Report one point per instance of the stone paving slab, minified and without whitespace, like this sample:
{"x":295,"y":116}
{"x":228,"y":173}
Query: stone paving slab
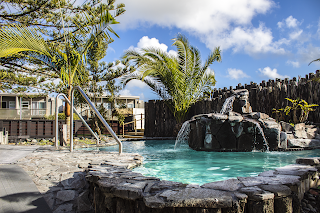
{"x":18,"y":193}
{"x":60,"y":175}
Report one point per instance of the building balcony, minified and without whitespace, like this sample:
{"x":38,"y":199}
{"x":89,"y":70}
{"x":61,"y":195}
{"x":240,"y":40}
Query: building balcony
{"x":25,"y":113}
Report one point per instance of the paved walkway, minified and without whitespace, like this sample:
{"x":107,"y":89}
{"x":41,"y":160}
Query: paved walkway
{"x":18,"y":193}
{"x":11,"y":153}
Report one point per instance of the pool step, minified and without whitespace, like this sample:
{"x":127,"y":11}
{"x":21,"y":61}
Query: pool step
{"x":133,"y":136}
{"x":135,"y":133}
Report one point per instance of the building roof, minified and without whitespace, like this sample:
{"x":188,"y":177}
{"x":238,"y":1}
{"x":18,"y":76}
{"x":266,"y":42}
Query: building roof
{"x":121,"y":96}
{"x":19,"y":94}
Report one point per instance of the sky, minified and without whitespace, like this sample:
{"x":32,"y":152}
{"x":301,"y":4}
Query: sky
{"x":259,"y":39}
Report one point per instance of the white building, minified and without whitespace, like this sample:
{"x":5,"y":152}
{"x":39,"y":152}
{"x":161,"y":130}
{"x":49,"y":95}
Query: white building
{"x":130,"y":106}
{"x":26,"y":106}
{"x":38,"y":106}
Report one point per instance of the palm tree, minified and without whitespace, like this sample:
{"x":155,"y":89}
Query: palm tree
{"x":181,"y":79}
{"x":65,"y":60}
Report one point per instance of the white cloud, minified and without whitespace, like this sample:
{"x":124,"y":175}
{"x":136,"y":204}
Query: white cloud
{"x":216,"y":24}
{"x":282,"y":41}
{"x":295,"y":64}
{"x":236,"y":74}
{"x":309,"y":53}
{"x":271,"y":73}
{"x":125,"y":92}
{"x":293,"y":31}
{"x":136,"y":83}
{"x":142,"y":97}
{"x":146,"y":42}
{"x":291,"y":22}
{"x":210,"y":71}
{"x":251,"y":40}
{"x":295,"y":35}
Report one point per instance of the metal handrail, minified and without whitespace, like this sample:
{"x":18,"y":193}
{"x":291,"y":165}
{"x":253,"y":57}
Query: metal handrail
{"x":81,"y":118}
{"x":97,"y":113}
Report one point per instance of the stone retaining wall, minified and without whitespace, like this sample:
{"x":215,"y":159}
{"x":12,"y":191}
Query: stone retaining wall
{"x":117,"y":189}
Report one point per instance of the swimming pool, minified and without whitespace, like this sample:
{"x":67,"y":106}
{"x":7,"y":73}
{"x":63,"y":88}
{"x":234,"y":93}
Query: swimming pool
{"x":197,"y":167}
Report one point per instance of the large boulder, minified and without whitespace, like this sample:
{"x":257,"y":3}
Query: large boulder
{"x":234,"y":132}
{"x":235,"y":128}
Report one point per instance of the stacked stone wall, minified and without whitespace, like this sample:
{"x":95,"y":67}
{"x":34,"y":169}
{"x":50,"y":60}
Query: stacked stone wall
{"x":263,"y":97}
{"x":119,"y":190}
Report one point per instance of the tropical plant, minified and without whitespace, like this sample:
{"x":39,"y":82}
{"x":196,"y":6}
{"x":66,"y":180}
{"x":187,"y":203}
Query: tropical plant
{"x":65,"y":60}
{"x":297,"y":105}
{"x":305,"y":109}
{"x":181,"y":79}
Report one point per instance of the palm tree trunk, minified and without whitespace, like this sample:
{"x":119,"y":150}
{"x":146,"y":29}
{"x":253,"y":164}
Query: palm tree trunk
{"x":67,"y":113}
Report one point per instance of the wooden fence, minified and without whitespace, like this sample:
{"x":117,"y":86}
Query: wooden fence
{"x":22,"y":129}
{"x":263,"y":97}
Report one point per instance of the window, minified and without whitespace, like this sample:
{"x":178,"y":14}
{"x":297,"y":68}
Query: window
{"x":107,"y":105}
{"x":12,"y":104}
{"x":34,"y":105}
{"x":25,"y":104}
{"x":130,"y":106}
{"x":38,"y":108}
{"x":42,"y":105}
{"x":4,"y":104}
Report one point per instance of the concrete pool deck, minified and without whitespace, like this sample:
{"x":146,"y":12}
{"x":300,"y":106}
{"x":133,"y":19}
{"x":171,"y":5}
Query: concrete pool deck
{"x":18,"y":193}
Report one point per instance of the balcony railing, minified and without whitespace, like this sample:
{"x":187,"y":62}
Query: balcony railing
{"x":26,"y":113}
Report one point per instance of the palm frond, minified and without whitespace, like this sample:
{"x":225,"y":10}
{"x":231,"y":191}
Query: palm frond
{"x":16,"y":38}
{"x":314,"y":61}
{"x":182,"y":79}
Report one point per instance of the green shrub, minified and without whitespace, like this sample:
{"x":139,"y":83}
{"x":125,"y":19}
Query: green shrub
{"x":61,"y":116}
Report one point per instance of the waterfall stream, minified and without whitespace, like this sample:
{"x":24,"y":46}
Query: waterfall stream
{"x":227,"y":105}
{"x":183,"y":134}
{"x":260,"y":130}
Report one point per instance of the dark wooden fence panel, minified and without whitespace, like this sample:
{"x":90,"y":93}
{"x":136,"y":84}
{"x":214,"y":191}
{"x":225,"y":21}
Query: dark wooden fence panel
{"x":81,"y":130}
{"x":40,"y":128}
{"x":21,"y":129}
{"x":263,"y":97}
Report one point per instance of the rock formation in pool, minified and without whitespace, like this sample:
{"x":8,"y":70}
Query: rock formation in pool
{"x":235,"y":128}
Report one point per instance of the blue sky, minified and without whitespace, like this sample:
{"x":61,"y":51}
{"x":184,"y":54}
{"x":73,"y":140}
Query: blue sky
{"x":260,"y":39}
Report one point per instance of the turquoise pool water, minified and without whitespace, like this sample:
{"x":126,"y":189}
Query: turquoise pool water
{"x":188,"y":166}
